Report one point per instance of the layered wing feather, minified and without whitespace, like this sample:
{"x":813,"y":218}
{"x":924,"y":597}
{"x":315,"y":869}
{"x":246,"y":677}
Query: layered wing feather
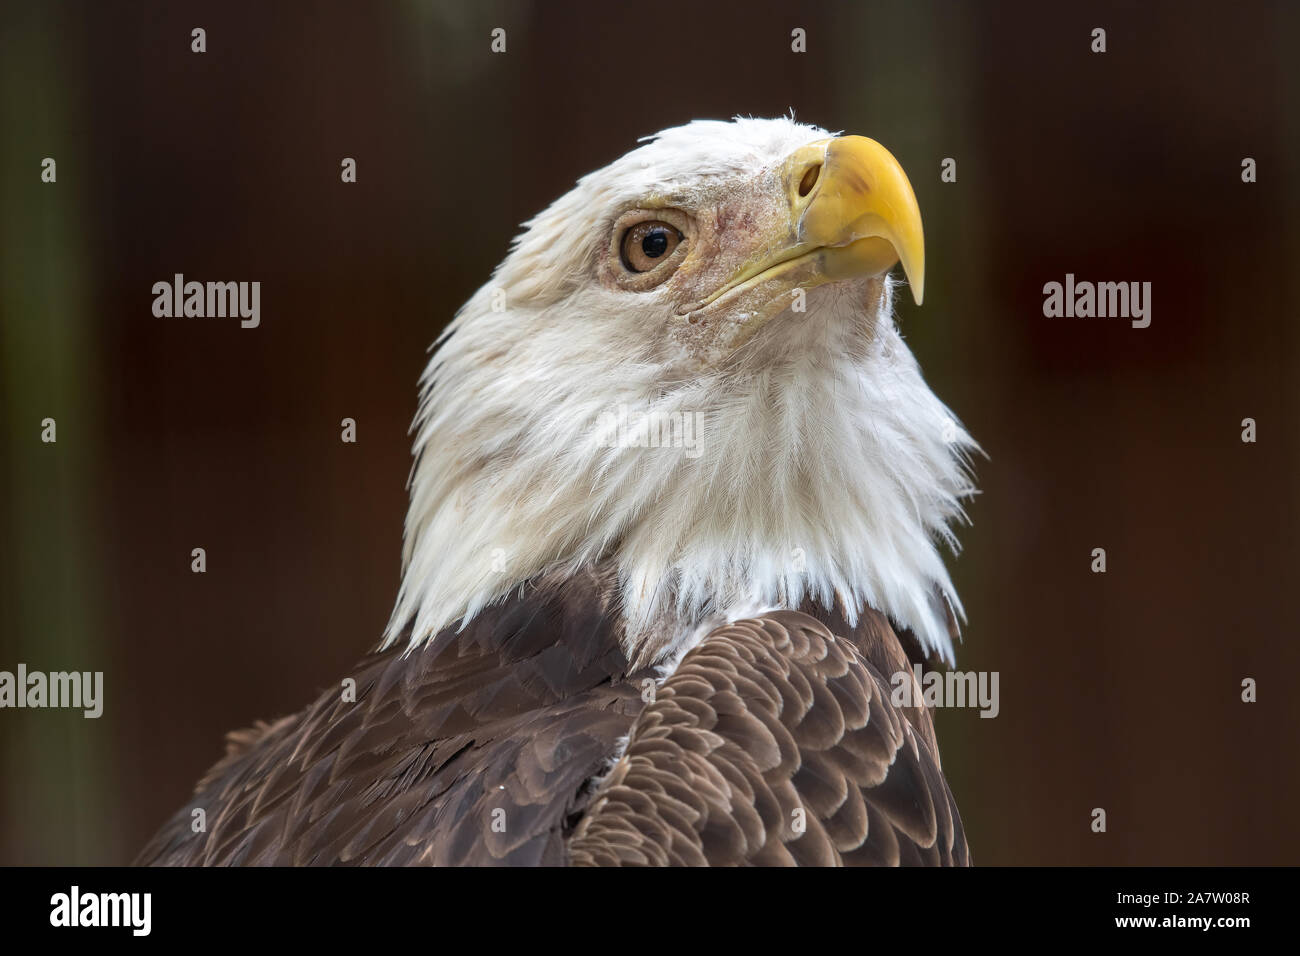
{"x":522,"y":740}
{"x":471,"y":751}
{"x":774,"y":743}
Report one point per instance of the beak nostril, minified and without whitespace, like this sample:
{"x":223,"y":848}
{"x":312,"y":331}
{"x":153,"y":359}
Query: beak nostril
{"x":809,"y":179}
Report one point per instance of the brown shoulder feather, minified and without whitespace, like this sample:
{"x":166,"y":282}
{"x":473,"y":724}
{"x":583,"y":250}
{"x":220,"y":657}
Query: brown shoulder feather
{"x":776,"y":743}
{"x":472,"y":750}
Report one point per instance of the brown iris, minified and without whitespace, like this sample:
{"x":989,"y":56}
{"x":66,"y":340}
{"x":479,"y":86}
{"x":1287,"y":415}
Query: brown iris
{"x":647,"y":244}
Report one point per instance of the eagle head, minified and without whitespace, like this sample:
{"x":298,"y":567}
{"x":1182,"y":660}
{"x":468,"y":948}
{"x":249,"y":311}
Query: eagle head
{"x":686,"y":372}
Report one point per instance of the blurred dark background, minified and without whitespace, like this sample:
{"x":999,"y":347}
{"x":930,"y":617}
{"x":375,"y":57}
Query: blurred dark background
{"x":1119,"y":691}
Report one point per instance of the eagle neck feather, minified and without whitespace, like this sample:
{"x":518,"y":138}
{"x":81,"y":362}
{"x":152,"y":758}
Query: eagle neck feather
{"x":830,"y":474}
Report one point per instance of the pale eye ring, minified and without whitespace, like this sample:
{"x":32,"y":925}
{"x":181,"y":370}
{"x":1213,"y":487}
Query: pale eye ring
{"x":647,"y":244}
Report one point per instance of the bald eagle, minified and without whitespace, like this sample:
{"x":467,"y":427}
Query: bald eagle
{"x":674,"y":536}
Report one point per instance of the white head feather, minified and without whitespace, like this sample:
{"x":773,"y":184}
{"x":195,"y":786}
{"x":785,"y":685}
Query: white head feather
{"x":825,"y":467}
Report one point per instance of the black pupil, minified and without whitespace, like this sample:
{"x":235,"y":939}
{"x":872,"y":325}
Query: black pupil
{"x":655,"y":243}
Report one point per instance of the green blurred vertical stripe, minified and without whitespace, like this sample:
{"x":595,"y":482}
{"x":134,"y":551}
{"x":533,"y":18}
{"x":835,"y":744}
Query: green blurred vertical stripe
{"x":56,"y":765}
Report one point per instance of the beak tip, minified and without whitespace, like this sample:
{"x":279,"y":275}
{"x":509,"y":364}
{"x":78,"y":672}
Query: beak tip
{"x":916,"y":282}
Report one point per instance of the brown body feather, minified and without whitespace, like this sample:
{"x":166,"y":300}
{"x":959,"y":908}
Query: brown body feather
{"x":774,"y":744}
{"x":498,"y":744}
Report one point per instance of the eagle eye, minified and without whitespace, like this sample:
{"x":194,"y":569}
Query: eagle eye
{"x":647,"y":244}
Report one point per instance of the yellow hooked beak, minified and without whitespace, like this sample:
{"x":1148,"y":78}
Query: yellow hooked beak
{"x":851,"y":213}
{"x":858,"y":210}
